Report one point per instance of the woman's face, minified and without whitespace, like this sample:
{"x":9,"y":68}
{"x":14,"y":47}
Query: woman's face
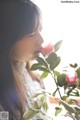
{"x":28,"y":47}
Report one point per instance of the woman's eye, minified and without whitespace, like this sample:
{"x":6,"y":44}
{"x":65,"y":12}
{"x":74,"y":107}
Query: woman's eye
{"x":32,"y":34}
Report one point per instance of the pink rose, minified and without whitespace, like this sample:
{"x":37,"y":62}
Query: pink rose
{"x":46,"y":50}
{"x":71,"y":79}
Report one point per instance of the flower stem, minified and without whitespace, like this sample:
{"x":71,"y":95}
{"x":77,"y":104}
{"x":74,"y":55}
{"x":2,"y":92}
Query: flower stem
{"x":56,"y":84}
{"x":72,"y":116}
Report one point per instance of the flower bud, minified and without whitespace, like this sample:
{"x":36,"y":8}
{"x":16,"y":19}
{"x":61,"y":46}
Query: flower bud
{"x":71,"y":79}
{"x":46,"y":50}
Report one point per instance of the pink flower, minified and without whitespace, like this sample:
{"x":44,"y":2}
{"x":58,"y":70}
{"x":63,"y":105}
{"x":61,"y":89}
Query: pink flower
{"x":46,"y":50}
{"x":71,"y":79}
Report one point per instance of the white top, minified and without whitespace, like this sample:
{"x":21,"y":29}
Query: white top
{"x":32,"y":87}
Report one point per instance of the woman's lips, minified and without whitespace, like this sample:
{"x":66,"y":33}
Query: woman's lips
{"x":38,"y":51}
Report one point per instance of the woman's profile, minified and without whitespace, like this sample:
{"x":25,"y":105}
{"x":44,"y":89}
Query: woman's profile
{"x":20,"y":41}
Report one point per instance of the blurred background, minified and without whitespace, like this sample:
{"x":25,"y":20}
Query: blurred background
{"x":61,"y":21}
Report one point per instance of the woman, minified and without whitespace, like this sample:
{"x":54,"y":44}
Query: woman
{"x":20,"y":41}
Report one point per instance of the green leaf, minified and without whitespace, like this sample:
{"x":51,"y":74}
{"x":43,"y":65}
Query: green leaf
{"x":44,"y":75}
{"x":57,"y":110}
{"x":43,"y":98}
{"x":70,"y":102}
{"x":35,"y":105}
{"x":29,"y":114}
{"x":67,"y":106}
{"x":35,"y":66}
{"x":43,"y":69}
{"x":76,"y":92}
{"x":54,"y":64}
{"x":77,"y":109}
{"x":58,"y":45}
{"x":56,"y":73}
{"x":61,"y":80}
{"x":41,"y":61}
{"x":64,"y":97}
{"x":78,"y":72}
{"x":70,"y":91}
{"x":45,"y":106}
{"x":53,"y":60}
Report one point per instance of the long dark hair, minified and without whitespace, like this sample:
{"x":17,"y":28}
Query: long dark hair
{"x":17,"y":19}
